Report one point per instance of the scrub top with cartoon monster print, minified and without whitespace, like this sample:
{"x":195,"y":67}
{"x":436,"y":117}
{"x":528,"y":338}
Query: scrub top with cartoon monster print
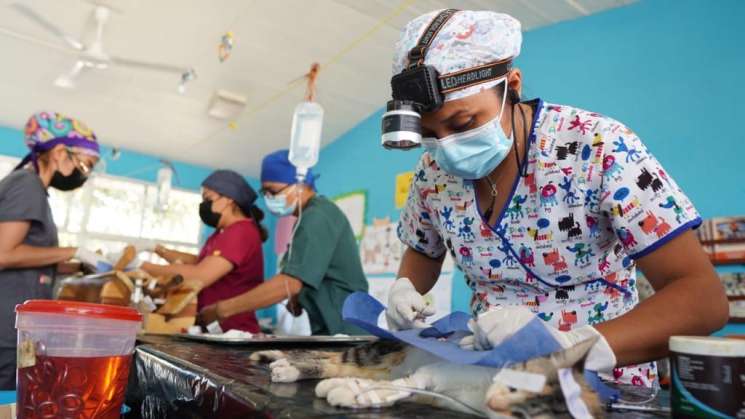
{"x":591,"y":201}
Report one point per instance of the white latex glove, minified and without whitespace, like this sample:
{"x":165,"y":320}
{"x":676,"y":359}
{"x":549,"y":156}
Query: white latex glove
{"x":407,"y":309}
{"x":493,"y":327}
{"x":91,"y":259}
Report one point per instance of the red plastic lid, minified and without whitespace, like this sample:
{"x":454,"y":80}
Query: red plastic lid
{"x":75,"y":308}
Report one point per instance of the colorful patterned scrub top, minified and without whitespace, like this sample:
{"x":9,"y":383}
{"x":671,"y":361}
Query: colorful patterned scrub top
{"x":592,"y":201}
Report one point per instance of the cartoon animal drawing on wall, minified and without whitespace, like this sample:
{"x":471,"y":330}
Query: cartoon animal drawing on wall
{"x":380,"y":248}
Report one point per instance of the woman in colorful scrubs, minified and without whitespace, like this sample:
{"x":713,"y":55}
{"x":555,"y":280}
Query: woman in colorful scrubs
{"x":549,"y":210}
{"x":231,"y":261}
{"x":63,"y":152}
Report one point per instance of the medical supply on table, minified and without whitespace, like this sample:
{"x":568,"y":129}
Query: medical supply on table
{"x":708,"y":377}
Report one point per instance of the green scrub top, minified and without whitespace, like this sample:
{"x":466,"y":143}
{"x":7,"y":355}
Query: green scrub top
{"x":326,"y":259}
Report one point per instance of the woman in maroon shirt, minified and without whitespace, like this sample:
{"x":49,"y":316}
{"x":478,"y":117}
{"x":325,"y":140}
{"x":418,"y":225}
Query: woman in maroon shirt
{"x":231,"y":261}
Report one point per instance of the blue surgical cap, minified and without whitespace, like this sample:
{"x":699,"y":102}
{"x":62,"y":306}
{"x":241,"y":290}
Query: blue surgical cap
{"x":276,"y":167}
{"x":232,"y":185}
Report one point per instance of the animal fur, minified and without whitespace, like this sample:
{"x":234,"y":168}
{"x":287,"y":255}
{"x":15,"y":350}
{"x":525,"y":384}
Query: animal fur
{"x":378,"y":365}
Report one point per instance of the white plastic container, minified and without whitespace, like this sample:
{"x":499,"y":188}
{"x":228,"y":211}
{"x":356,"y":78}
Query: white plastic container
{"x":305,"y":138}
{"x":73,"y":358}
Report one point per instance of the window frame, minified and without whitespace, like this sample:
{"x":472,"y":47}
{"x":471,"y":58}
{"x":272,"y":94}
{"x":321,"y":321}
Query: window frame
{"x":84,"y":235}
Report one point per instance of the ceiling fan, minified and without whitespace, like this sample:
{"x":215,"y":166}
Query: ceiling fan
{"x":91,"y":56}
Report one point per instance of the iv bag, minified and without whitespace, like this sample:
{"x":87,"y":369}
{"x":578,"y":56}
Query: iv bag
{"x":305,"y":139}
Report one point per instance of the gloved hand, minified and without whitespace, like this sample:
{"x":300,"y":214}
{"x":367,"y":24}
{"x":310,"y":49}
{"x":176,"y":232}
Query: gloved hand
{"x":407,"y":309}
{"x":92,"y":259}
{"x":493,"y":327}
{"x":208,"y":315}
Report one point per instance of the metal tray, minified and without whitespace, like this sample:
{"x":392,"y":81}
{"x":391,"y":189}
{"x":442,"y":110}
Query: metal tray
{"x":271,"y":339}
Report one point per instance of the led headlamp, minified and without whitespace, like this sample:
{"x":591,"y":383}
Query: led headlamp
{"x":420,"y":88}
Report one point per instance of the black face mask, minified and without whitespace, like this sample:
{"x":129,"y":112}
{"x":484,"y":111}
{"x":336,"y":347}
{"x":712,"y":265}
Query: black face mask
{"x":72,"y":181}
{"x":208,"y":216}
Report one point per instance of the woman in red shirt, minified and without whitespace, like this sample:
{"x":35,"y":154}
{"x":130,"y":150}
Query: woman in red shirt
{"x":231,"y":261}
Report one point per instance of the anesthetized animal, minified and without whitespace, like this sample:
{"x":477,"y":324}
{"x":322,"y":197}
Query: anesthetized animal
{"x":383,"y":372}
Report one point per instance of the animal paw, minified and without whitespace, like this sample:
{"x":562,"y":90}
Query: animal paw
{"x":358,"y":393}
{"x":283,"y":371}
{"x":266,"y":357}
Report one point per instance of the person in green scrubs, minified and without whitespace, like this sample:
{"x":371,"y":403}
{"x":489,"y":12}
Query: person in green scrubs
{"x":322,"y":265}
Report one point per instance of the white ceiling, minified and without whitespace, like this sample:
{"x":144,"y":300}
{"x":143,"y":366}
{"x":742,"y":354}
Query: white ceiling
{"x":275,"y":43}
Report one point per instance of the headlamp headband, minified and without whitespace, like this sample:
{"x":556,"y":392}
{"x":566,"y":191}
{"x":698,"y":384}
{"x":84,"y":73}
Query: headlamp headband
{"x":423,"y":85}
{"x":420,"y":88}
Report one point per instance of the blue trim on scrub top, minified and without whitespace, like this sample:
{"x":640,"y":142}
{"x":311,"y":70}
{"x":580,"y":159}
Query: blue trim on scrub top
{"x":531,"y":142}
{"x":509,"y":247}
{"x":691,"y":225}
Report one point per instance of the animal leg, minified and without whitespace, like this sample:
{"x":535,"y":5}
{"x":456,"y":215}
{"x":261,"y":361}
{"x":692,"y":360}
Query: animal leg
{"x":362,"y":393}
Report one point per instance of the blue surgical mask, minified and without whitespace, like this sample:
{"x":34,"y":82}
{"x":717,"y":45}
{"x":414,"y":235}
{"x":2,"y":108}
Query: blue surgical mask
{"x":277,"y":205}
{"x":472,"y":154}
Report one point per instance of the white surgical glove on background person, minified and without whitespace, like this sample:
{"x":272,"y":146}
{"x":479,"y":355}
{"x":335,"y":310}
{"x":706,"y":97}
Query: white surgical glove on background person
{"x":91,"y":259}
{"x":407,"y":308}
{"x":492,"y":327}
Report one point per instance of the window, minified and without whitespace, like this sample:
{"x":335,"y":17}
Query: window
{"x":110,"y":212}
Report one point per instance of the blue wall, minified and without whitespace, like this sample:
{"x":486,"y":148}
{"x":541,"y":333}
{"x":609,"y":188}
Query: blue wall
{"x":144,"y":167}
{"x":670,"y":70}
